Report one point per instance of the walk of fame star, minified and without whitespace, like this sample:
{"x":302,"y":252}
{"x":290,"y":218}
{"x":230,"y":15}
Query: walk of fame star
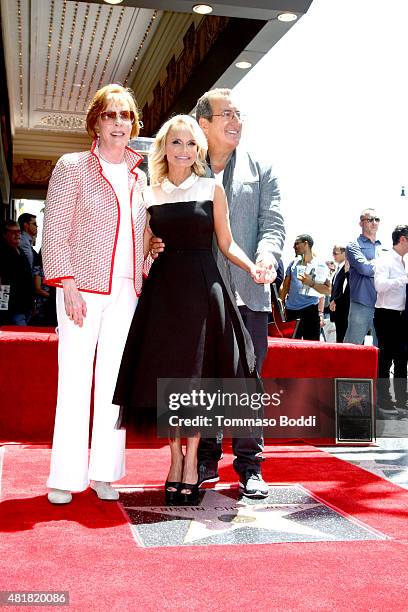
{"x":289,"y":514}
{"x":354,"y":400}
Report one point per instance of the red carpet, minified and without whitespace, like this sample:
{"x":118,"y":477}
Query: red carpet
{"x":27,"y":410}
{"x":87,"y":547}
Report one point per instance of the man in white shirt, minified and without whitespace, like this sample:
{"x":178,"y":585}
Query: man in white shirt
{"x":390,"y":280}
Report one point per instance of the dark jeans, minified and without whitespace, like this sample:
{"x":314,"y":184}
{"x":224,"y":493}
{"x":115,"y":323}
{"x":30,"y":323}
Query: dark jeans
{"x":22,"y":319}
{"x":309,"y":325}
{"x":390,"y":327}
{"x":246,"y":450}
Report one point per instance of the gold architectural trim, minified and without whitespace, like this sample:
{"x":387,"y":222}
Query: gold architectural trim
{"x":101,"y":45}
{"x":86,"y":63}
{"x":122,"y":12}
{"x":68,"y":57}
{"x":196,"y":44}
{"x":20,"y":61}
{"x":48,"y":144}
{"x":47,"y":68}
{"x":145,"y":36}
{"x":57,"y":63}
{"x":32,"y":172}
{"x":63,"y":122}
{"x":166,"y":42}
{"x":78,"y":56}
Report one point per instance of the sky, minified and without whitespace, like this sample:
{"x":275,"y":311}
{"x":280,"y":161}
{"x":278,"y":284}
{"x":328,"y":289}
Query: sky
{"x":330,"y":112}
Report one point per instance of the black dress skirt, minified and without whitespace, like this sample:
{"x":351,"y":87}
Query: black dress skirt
{"x":186,"y":324}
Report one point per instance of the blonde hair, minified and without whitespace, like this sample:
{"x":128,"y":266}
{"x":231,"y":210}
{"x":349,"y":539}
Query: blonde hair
{"x":100,"y":102}
{"x":158,"y":165}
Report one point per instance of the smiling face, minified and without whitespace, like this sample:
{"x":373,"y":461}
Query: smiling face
{"x":114,"y":133}
{"x":223,"y":133}
{"x":181,"y":148}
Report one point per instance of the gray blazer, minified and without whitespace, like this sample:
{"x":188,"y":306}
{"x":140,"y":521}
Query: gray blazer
{"x":256,"y":223}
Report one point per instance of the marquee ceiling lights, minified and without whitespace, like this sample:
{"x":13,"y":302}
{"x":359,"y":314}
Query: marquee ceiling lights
{"x":203,"y":9}
{"x":287,"y":17}
{"x":243,"y":65}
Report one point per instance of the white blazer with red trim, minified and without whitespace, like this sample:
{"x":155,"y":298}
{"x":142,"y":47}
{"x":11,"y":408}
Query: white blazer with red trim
{"x":81,"y":222}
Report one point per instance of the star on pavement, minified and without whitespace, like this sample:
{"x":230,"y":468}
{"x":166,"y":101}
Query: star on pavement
{"x":219,"y":514}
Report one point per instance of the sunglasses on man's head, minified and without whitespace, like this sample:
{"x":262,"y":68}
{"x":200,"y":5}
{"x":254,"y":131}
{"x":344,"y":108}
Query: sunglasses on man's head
{"x":111,"y":116}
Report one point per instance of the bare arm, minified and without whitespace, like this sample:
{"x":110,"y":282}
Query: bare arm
{"x":147,"y":236}
{"x":225,"y":241}
{"x":37,"y":287}
{"x":284,"y":290}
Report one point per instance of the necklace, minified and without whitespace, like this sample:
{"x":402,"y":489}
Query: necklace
{"x":110,"y":162}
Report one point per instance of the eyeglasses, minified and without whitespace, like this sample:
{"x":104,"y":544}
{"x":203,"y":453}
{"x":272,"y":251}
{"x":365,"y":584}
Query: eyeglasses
{"x":16,"y":232}
{"x":112,"y":116}
{"x":230,"y":114}
{"x":371,"y":219}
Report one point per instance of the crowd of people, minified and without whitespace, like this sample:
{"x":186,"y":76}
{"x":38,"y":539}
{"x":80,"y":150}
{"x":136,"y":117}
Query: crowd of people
{"x":25,"y":299}
{"x":207,"y":236}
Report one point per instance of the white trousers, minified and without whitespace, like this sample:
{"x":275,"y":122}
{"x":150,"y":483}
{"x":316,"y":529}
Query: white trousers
{"x":105,"y":330}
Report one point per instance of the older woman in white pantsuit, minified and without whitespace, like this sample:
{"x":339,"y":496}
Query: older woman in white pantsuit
{"x":93,"y":253}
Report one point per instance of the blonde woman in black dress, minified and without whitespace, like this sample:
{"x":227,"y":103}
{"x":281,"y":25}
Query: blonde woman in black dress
{"x":185,"y":325}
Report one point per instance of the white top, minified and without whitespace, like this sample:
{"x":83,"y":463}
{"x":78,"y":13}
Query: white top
{"x":219,"y":176}
{"x":390,"y":279}
{"x":193,"y":188}
{"x":319,"y":272}
{"x":117,"y":175}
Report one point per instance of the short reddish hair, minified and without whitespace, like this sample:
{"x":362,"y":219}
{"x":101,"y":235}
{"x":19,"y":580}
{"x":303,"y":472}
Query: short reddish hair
{"x":100,"y":103}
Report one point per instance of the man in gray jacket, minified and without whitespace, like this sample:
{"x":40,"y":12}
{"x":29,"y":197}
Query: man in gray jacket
{"x":257,"y":226}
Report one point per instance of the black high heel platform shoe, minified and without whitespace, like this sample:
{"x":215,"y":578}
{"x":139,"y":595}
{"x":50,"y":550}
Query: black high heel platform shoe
{"x":189,"y":499}
{"x":172,"y":497}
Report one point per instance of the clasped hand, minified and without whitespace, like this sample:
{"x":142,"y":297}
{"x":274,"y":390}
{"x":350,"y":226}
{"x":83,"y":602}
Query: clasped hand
{"x":262,"y":273}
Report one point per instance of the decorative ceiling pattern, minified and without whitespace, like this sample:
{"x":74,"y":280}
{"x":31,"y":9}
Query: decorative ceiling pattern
{"x":60,"y":52}
{"x":55,"y":54}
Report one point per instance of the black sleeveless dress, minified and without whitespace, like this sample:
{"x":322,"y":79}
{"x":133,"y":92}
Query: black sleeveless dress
{"x":186,"y":324}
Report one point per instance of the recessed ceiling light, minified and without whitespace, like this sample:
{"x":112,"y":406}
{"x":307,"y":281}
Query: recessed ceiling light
{"x":286,"y":17}
{"x":113,"y":1}
{"x":244,"y":65}
{"x":203,"y":9}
